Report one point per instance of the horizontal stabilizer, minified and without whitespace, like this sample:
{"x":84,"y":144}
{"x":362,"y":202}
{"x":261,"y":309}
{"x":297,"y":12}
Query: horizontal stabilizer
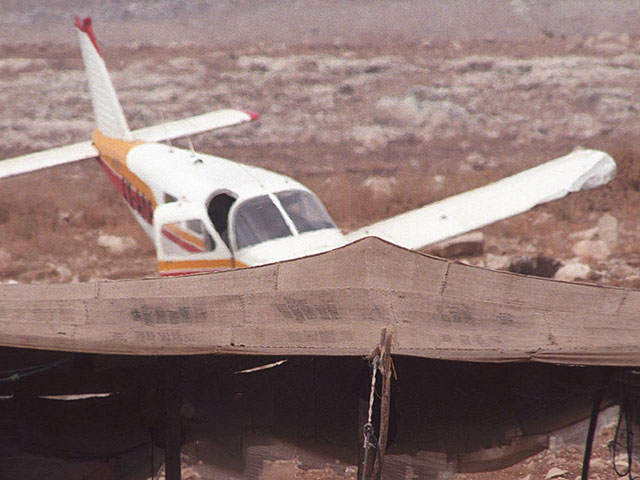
{"x":580,"y":170}
{"x":193,"y":125}
{"x":157,"y":133}
{"x":47,"y":158}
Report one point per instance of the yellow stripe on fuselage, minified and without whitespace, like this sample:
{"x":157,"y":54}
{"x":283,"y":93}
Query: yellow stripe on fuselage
{"x":114,"y":153}
{"x":166,"y":267}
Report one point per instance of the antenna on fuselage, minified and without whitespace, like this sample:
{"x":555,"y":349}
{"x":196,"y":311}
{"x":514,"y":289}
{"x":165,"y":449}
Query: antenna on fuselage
{"x":168,"y":140}
{"x":193,"y":152}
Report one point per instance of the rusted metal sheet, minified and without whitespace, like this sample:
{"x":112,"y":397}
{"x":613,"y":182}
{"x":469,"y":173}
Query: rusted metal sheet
{"x":334,"y":304}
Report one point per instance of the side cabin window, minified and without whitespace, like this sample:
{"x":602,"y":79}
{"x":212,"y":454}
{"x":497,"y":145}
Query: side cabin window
{"x":169,"y":198}
{"x":305,"y":210}
{"x":258,"y":220}
{"x":188,"y":236}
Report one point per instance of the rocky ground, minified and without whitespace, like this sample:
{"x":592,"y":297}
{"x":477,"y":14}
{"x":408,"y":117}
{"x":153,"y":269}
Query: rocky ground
{"x":373,"y":128}
{"x":374,"y":131}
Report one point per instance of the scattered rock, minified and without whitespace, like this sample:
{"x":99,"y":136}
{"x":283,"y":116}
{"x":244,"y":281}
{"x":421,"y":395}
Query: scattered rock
{"x":607,"y":42}
{"x":116,"y":245}
{"x":591,"y":250}
{"x":380,"y":186}
{"x":402,"y":112}
{"x":261,"y":63}
{"x":374,"y":137}
{"x":622,"y":270}
{"x":429,"y":117}
{"x":279,"y":469}
{"x":64,"y":273}
{"x":497,"y":262}
{"x":474,"y":64}
{"x":632,"y":282}
{"x":543,"y":218}
{"x":467,"y":245}
{"x":19,"y":65}
{"x":439,"y":180}
{"x":621,"y":462}
{"x":555,"y":473}
{"x":608,"y":230}
{"x":478,"y":162}
{"x":589,"y":234}
{"x":574,"y":270}
{"x":599,"y":464}
{"x":66,"y":217}
{"x":187,"y":472}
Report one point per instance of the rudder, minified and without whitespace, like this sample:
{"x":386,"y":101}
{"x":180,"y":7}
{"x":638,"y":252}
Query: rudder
{"x":108,"y":112}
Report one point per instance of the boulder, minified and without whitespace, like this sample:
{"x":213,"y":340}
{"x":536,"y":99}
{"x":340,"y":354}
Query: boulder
{"x":574,"y":270}
{"x":555,"y":472}
{"x":591,"y":250}
{"x":539,"y":265}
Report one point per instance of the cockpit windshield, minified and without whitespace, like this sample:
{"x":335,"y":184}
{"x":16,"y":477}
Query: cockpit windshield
{"x":260,"y":219}
{"x":305,"y":210}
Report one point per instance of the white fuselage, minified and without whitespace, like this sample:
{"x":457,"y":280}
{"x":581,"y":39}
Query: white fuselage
{"x":210,"y":213}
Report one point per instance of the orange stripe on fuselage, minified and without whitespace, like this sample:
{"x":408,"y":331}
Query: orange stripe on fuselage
{"x":114,"y":153}
{"x":186,"y":236}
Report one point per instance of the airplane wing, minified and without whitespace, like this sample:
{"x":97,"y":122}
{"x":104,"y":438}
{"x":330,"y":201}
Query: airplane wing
{"x":164,"y":131}
{"x":579,"y":170}
{"x":47,"y":158}
{"x":193,"y":125}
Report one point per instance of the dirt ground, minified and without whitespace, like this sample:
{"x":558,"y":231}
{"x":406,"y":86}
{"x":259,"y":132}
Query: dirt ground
{"x":374,"y":128}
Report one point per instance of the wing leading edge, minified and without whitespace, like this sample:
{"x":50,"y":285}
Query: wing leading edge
{"x":194,"y":125}
{"x":47,"y":158}
{"x":579,"y":170}
{"x":157,"y":133}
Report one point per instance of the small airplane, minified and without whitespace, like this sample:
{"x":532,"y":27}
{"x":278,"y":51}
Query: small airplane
{"x":206,"y":213}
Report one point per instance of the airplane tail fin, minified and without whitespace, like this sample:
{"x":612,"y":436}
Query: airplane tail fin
{"x":108,"y":112}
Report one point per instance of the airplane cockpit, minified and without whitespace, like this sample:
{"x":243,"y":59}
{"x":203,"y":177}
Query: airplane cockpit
{"x":278,"y":215}
{"x":281,"y":225}
{"x":230,"y":230}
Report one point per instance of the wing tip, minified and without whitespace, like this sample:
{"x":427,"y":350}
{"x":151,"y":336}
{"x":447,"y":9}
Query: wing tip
{"x":252,"y":115}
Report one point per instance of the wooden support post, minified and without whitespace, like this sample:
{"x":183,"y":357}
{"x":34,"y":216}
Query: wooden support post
{"x":593,"y":422}
{"x":173,"y":433}
{"x":383,"y":352}
{"x":385,"y":403}
{"x":363,"y":406}
{"x":385,"y":406}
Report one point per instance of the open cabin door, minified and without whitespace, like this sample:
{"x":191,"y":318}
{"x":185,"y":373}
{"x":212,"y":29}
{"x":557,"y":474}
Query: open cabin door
{"x":186,"y":242}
